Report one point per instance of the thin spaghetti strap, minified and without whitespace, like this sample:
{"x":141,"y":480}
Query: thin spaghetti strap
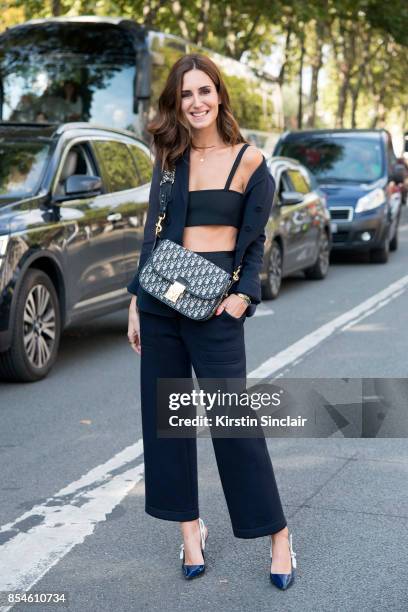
{"x":235,"y":166}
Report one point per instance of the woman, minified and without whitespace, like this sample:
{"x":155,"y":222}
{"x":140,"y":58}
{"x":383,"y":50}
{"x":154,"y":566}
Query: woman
{"x":220,"y":204}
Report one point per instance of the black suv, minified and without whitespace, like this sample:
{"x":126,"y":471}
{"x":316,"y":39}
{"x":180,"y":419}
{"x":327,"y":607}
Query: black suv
{"x":73,"y":202}
{"x":361,"y":178}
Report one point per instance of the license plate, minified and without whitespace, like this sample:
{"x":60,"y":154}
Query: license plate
{"x":333,"y":227}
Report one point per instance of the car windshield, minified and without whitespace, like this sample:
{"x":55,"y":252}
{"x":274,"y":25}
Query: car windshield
{"x":22,"y":165}
{"x":59,"y":72}
{"x":339,"y":159}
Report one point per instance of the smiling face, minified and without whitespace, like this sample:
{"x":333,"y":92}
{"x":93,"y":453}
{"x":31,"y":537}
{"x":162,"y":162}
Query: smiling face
{"x":199,"y":99}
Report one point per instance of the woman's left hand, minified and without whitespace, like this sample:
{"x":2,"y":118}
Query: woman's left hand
{"x":234,"y":305}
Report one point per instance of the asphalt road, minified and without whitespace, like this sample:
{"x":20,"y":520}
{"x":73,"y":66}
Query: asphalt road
{"x":72,"y":496}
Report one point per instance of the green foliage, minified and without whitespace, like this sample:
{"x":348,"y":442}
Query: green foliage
{"x":248,"y":105}
{"x":364,"y":41}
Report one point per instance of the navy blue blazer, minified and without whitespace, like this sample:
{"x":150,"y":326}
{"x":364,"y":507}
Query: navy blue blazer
{"x":258,"y":198}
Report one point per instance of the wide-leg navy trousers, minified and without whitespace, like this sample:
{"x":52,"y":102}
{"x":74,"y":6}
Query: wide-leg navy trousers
{"x":215,"y":348}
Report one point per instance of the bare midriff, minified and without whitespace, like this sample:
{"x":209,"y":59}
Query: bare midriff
{"x":208,"y":238}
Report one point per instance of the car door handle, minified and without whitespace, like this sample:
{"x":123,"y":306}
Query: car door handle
{"x":114,"y":217}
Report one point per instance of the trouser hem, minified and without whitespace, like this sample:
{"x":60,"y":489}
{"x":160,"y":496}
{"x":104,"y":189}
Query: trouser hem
{"x":258,"y":532}
{"x":172,"y":515}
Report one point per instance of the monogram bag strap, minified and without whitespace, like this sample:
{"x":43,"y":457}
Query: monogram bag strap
{"x":166,"y":186}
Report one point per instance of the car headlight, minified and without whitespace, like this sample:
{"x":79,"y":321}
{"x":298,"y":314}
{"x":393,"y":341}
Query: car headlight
{"x":373,"y":199}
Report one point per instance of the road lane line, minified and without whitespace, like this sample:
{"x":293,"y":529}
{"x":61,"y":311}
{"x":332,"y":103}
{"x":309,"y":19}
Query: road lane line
{"x":262,"y":311}
{"x":342,"y":322}
{"x":64,"y":520}
{"x":378,"y":306}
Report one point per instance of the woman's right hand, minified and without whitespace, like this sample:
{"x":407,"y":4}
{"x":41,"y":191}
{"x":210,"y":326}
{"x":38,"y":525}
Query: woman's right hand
{"x":134,"y":327}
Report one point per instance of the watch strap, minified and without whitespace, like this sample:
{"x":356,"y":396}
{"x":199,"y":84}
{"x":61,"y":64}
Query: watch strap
{"x":244,"y":297}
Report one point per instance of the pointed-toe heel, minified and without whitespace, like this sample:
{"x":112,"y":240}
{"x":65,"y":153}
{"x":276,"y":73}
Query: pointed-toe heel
{"x":192,"y":571}
{"x":283,"y":581}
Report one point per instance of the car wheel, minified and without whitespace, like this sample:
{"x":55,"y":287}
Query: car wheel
{"x":381,"y":254}
{"x":274,"y":280}
{"x":36,"y":332}
{"x":321,"y":266}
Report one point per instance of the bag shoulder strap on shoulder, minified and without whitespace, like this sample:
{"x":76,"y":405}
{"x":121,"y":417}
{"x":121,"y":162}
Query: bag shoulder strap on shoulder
{"x":166,"y":185}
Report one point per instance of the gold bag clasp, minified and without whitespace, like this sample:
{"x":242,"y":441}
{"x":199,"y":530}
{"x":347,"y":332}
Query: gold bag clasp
{"x":174,"y":291}
{"x":159,"y":223}
{"x":235,"y":275}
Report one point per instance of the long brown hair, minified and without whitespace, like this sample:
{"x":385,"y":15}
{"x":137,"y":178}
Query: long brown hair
{"x":171,"y":131}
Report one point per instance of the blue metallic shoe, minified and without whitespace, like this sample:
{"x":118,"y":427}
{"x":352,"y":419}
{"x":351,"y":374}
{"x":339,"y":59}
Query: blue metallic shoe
{"x":283,"y":581}
{"x":191,"y":571}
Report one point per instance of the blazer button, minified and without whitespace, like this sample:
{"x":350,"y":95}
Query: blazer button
{"x":247,"y":228}
{"x":258,"y":208}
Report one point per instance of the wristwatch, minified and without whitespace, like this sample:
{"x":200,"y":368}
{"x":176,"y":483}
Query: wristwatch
{"x":245,"y":297}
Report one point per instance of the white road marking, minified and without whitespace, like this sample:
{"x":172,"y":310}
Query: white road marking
{"x":342,"y":322}
{"x":262,"y":311}
{"x":64,"y":520}
{"x":381,"y":304}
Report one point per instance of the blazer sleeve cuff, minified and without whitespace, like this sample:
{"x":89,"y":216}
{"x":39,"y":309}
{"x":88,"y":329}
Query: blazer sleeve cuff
{"x":133,"y":286}
{"x":249,"y":287}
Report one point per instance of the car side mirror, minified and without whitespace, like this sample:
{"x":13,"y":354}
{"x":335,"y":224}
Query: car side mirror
{"x":288,"y":198}
{"x":143,"y":79}
{"x":78,"y":185}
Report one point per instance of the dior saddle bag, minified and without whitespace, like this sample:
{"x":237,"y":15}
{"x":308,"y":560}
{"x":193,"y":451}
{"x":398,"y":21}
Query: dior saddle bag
{"x":179,"y":277}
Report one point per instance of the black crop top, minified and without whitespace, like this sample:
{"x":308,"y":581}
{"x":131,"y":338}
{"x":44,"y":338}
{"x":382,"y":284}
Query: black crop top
{"x":217,"y":206}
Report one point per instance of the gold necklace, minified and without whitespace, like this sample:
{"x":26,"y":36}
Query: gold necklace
{"x":209,"y":147}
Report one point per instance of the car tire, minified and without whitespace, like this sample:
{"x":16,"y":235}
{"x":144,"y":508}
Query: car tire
{"x":381,"y":254}
{"x":320,"y":268}
{"x":273,"y":282}
{"x":36,"y":330}
{"x":394,"y":239}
